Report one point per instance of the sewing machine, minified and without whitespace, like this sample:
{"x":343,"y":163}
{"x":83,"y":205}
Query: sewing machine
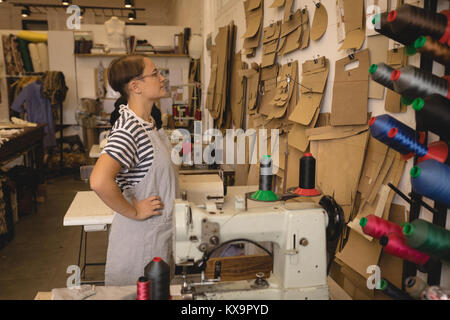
{"x":298,"y":231}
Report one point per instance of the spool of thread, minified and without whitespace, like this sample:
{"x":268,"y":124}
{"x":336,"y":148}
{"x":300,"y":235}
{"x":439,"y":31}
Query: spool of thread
{"x":381,"y":73}
{"x":392,"y":291}
{"x":434,"y":112}
{"x":382,"y":26}
{"x":307,"y":178}
{"x":414,"y":286}
{"x":265,"y":174}
{"x":143,"y":289}
{"x":414,"y":83}
{"x":433,"y":49}
{"x":381,"y":125}
{"x":265,"y":192}
{"x":158,"y":272}
{"x":431,"y":179}
{"x":427,"y":237}
{"x":414,"y":20}
{"x":377,"y":227}
{"x":437,"y":150}
{"x":395,"y":245}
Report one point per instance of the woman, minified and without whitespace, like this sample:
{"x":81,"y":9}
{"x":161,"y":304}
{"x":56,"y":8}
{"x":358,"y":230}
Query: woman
{"x":135,"y":176}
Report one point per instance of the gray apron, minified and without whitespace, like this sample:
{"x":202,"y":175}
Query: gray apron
{"x":133,"y":244}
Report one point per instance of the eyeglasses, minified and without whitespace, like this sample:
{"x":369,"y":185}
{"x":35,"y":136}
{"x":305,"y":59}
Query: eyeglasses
{"x":156,"y":73}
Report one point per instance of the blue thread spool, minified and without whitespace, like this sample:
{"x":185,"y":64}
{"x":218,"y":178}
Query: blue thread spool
{"x":432,"y":179}
{"x":437,"y":150}
{"x":380,"y":127}
{"x":409,"y":142}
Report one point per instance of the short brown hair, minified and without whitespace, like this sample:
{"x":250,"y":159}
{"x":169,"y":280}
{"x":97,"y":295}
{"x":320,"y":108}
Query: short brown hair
{"x":122,"y":70}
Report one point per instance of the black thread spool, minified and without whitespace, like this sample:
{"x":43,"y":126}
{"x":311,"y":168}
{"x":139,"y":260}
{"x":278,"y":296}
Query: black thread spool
{"x":381,"y":73}
{"x":307,"y":178}
{"x":434,"y":113}
{"x":418,"y":22}
{"x":392,"y":291}
{"x":382,"y":26}
{"x":265,"y":174}
{"x":414,"y":83}
{"x":434,"y":49}
{"x":158,"y":272}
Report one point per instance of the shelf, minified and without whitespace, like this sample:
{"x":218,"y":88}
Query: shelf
{"x":183,"y":118}
{"x":93,"y":55}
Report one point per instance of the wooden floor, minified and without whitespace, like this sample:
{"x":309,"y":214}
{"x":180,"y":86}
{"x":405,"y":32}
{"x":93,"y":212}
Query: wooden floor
{"x":42,"y":249}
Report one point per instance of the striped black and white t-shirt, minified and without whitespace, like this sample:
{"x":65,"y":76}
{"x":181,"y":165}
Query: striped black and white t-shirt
{"x":130,"y":145}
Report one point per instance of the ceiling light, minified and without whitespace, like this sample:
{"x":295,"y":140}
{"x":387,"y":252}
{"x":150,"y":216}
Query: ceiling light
{"x":132,"y":16}
{"x":26,"y":12}
{"x":66,"y":2}
{"x":128,"y":4}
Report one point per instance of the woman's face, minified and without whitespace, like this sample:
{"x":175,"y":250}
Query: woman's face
{"x":151,"y":82}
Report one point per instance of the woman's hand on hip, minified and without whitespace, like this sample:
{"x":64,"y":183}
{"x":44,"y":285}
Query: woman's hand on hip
{"x":148,"y":207}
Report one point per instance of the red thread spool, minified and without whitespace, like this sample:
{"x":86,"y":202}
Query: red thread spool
{"x":395,"y":245}
{"x":377,"y":227}
{"x":143,"y":289}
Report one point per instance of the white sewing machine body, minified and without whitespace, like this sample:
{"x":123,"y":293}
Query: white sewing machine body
{"x":297,"y":231}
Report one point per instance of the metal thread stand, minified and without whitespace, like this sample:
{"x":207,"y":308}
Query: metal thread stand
{"x":440,"y":210}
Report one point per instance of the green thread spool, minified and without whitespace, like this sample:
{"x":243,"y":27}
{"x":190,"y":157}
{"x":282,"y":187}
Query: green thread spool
{"x":427,"y":237}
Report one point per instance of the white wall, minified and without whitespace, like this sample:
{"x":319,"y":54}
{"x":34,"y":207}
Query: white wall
{"x":187,"y":13}
{"x":233,"y":10}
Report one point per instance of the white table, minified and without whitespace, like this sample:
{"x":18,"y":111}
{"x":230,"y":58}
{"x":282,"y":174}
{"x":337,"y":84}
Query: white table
{"x":88,"y":210}
{"x":92,"y":214}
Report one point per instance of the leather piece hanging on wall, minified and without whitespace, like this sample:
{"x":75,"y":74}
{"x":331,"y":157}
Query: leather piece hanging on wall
{"x":291,"y":32}
{"x":254,"y":11}
{"x":252,"y":75}
{"x":237,"y":91}
{"x":304,"y":43}
{"x":314,"y":78}
{"x":352,"y":83}
{"x":271,"y":36}
{"x":284,"y":90}
{"x":218,"y":93}
{"x":320,"y":22}
{"x":287,"y":9}
{"x":355,"y":29}
{"x":210,"y":92}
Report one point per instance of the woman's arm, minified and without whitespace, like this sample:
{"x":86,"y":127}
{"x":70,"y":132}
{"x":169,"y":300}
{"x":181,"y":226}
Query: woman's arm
{"x":103,"y":183}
